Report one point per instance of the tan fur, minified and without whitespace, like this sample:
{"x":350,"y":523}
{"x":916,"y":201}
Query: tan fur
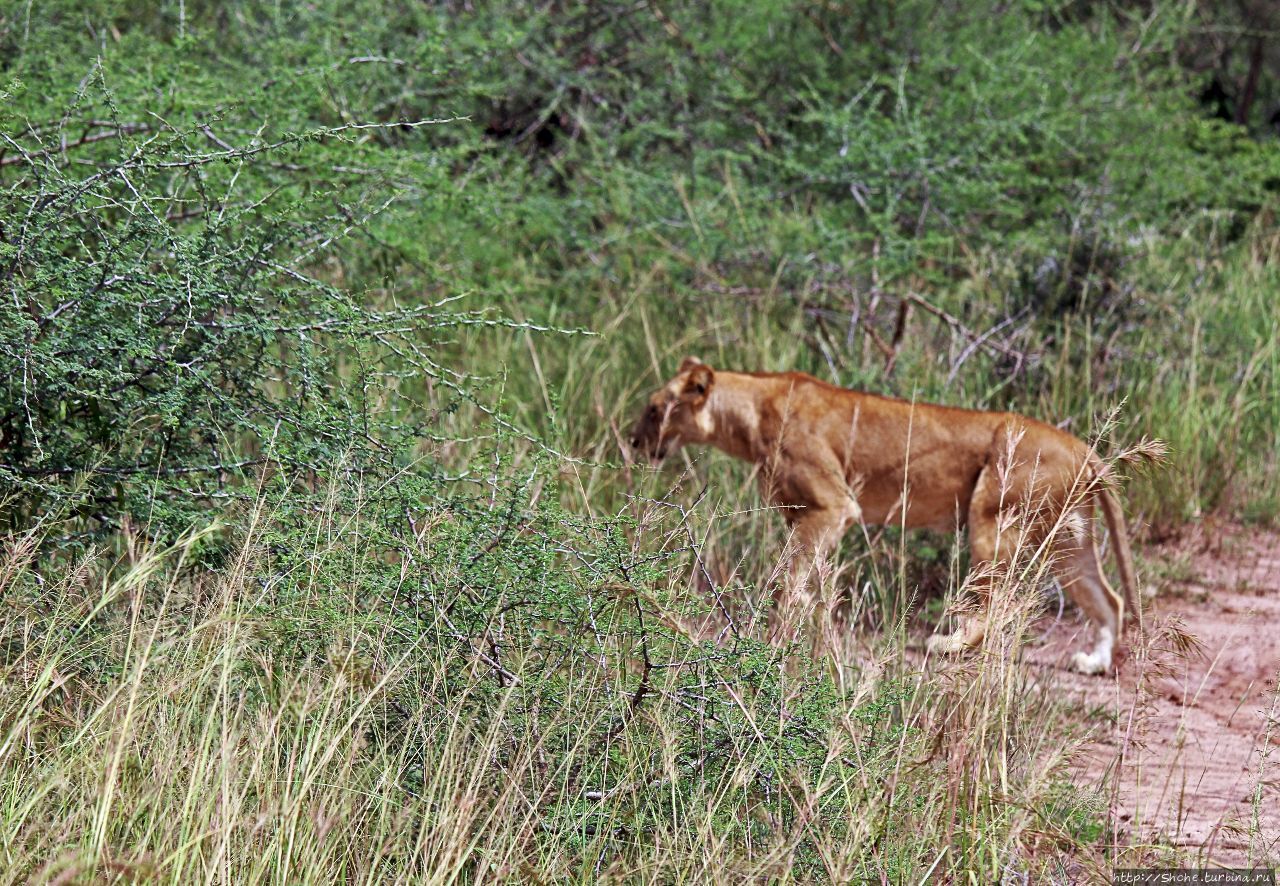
{"x":832,"y":457}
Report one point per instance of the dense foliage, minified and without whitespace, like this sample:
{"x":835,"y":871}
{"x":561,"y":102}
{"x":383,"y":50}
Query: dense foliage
{"x":222,"y":223}
{"x":347,"y":303}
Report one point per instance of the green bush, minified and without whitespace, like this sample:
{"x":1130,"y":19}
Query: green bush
{"x":310,"y":485}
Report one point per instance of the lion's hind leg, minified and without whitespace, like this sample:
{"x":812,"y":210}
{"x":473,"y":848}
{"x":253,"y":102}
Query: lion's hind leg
{"x":984,"y":574}
{"x":1079,"y":568}
{"x":992,"y":544}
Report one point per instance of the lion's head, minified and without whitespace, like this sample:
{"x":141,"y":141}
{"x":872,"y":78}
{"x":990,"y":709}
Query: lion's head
{"x":675,"y":413}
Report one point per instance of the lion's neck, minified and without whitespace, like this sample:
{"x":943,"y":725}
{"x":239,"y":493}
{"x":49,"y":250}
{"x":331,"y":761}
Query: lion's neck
{"x":733,"y":409}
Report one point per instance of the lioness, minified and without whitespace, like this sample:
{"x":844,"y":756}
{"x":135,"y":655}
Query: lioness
{"x":832,"y":457}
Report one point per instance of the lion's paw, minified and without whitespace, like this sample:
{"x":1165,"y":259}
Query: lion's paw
{"x":1089,"y":664}
{"x":945,"y":644}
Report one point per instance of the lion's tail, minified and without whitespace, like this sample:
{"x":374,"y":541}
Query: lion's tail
{"x":1119,"y":530}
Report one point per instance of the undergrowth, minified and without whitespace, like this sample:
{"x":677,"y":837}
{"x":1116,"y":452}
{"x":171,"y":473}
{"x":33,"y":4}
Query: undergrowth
{"x":321,"y":328}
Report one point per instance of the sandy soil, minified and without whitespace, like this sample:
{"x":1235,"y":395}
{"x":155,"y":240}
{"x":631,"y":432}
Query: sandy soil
{"x":1187,"y":748}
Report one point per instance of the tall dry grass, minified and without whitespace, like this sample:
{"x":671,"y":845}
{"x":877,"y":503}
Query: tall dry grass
{"x":161,"y":724}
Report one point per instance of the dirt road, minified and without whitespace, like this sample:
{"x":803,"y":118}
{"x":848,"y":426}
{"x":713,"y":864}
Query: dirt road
{"x":1188,"y":745}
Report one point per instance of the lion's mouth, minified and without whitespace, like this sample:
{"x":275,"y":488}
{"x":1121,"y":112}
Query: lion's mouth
{"x":654,"y":452}
{"x":655,"y":456}
{"x":659,"y":454}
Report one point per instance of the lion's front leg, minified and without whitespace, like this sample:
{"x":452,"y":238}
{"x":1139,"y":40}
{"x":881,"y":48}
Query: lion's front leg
{"x":813,"y":534}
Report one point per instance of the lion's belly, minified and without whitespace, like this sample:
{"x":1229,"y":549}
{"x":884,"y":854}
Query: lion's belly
{"x":939,"y":501}
{"x":941,"y":513}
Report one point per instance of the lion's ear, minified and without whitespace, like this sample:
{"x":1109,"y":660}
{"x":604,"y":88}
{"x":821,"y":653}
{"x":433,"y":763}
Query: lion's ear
{"x":698,"y":384}
{"x":689,"y":362}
